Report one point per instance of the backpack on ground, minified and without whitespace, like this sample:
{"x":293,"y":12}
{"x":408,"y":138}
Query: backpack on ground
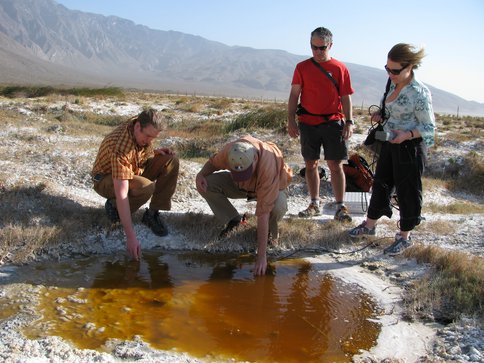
{"x":359,"y":177}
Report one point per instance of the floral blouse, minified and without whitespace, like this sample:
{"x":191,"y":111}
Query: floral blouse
{"x":412,"y":109}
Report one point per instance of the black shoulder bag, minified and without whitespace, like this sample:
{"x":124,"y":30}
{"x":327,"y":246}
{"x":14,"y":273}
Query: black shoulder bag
{"x":371,"y":142}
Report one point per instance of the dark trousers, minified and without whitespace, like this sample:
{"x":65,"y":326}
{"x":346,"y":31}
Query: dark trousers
{"x":400,"y":168}
{"x":158,"y":182}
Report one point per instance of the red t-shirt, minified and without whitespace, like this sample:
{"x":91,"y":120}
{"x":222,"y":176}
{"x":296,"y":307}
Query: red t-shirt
{"x":318,"y":93}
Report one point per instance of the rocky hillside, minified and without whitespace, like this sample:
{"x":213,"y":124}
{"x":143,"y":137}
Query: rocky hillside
{"x":42,"y":42}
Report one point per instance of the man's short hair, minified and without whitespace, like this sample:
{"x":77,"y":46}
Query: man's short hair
{"x":323,"y":33}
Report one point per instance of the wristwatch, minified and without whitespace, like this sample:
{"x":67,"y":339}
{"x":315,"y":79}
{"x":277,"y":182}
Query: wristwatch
{"x":350,"y":122}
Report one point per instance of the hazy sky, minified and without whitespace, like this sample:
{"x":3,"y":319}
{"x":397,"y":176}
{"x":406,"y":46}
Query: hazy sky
{"x":363,"y":30}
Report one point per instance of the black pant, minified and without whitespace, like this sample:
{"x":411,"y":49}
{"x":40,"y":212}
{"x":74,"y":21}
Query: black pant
{"x":399,"y":167}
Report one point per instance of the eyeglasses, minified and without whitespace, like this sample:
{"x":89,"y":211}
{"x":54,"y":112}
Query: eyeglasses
{"x":395,"y":72}
{"x":322,"y":48}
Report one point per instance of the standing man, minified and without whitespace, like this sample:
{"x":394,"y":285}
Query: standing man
{"x":321,"y":97}
{"x":256,"y":171}
{"x":128,"y":171}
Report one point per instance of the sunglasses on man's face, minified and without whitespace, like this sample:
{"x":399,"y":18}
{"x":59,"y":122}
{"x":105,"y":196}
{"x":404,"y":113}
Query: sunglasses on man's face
{"x":322,"y":48}
{"x":395,"y":72}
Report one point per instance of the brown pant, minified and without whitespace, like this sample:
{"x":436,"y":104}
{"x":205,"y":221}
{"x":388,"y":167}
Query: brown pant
{"x":157,"y":182}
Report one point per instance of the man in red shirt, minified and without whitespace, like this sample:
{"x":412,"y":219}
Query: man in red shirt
{"x":128,"y":171}
{"x":321,"y":97}
{"x":256,"y":170}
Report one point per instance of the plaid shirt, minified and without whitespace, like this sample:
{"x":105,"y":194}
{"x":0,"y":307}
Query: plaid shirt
{"x":120,"y":155}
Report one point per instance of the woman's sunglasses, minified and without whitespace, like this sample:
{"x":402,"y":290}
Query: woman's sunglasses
{"x":395,"y":72}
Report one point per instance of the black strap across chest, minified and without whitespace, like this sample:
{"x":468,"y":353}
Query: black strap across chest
{"x":302,"y":111}
{"x":326,"y":73}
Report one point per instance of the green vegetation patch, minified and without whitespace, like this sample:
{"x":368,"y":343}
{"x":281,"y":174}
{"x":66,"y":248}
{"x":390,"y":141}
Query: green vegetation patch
{"x":33,"y":92}
{"x":271,"y":118}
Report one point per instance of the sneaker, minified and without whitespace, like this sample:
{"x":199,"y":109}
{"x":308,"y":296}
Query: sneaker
{"x":311,"y":211}
{"x":233,"y":224}
{"x":362,"y":230}
{"x":342,"y":214}
{"x":155,"y":221}
{"x":111,"y":211}
{"x":398,"y":246}
{"x":272,"y":241}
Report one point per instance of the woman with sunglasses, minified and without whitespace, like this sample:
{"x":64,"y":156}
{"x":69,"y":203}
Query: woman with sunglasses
{"x":410,"y":118}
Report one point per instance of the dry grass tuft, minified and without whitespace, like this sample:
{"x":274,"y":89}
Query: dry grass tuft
{"x":460,"y":207}
{"x":295,"y":234}
{"x":273,"y":117}
{"x":460,"y":129}
{"x":302,"y":233}
{"x":454,"y":286}
{"x":20,"y":243}
{"x":441,"y":227}
{"x":38,"y":220}
{"x":471,"y":176}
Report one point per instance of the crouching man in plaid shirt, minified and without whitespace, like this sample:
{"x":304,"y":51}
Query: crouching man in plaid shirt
{"x":128,"y":171}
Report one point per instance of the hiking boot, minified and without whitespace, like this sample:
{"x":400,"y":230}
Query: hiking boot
{"x":362,"y":230}
{"x":111,"y":211}
{"x":342,"y":214}
{"x":398,"y":246}
{"x":155,"y":221}
{"x":311,"y":211}
{"x":233,"y":224}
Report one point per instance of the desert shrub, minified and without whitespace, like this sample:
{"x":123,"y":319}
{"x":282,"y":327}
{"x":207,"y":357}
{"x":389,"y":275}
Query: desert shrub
{"x":103,"y":120}
{"x":454,"y":287}
{"x":460,"y":129}
{"x":190,"y":104}
{"x":195,"y":148}
{"x":221,"y":103}
{"x":459,"y":122}
{"x":272,"y":118}
{"x":41,"y":91}
{"x":91,"y":92}
{"x":190,"y":128}
{"x":471,"y":178}
{"x":27,"y":92}
{"x":458,"y":207}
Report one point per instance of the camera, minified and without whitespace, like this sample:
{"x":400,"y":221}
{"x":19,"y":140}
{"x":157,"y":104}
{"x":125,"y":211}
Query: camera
{"x":384,"y":135}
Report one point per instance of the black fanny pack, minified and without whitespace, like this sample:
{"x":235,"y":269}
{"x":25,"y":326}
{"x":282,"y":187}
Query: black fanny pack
{"x":302,"y":111}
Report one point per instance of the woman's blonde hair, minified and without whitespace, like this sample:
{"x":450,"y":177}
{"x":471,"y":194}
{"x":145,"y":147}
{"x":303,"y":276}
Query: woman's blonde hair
{"x":404,"y":53}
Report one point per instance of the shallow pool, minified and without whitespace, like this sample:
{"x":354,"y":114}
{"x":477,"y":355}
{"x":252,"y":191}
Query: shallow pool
{"x":207,"y":305}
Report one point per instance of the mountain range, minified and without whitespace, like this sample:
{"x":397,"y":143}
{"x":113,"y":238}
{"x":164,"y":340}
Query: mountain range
{"x":44,"y":43}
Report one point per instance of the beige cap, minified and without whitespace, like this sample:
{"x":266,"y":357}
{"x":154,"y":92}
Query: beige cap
{"x":241,"y":158}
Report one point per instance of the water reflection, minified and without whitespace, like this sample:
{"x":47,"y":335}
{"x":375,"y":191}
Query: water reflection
{"x":149,"y":273}
{"x":211,"y":306}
